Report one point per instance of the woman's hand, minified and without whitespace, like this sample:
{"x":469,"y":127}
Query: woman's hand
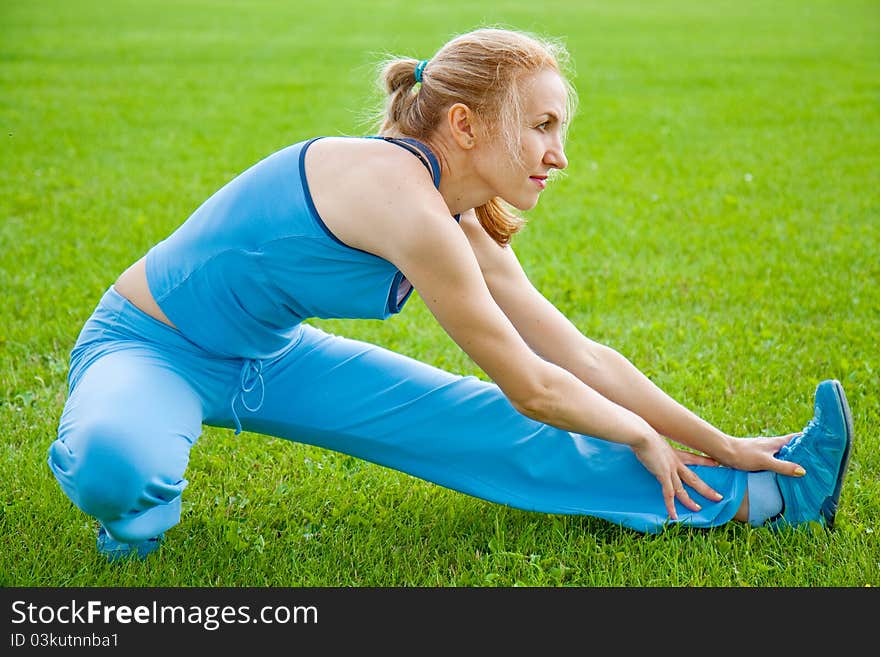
{"x":753,"y":454}
{"x":670,"y":467}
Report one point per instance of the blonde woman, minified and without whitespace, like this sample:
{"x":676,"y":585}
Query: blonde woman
{"x":209,"y":328}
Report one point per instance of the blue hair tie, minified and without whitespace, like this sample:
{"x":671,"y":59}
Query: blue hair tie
{"x":419,"y":69}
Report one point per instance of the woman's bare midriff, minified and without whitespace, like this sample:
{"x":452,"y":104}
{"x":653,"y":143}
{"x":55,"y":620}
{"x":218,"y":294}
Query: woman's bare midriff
{"x":132,"y":284}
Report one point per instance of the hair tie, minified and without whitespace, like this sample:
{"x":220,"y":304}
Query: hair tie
{"x":418,"y":72}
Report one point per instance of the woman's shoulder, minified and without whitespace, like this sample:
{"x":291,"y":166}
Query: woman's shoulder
{"x":370,"y":168}
{"x":373,"y":151}
{"x":369,"y":191}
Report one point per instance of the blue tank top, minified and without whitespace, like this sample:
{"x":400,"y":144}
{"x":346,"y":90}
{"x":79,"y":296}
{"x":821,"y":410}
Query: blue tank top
{"x":254,"y":260}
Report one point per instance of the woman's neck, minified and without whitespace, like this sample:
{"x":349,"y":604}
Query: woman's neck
{"x":461,"y":185}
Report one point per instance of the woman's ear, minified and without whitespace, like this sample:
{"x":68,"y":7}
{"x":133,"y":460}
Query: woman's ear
{"x":461,"y":125}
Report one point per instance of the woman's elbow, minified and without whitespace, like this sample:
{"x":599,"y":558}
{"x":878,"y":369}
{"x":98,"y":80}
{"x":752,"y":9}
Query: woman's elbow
{"x":536,"y":401}
{"x":530,"y":407}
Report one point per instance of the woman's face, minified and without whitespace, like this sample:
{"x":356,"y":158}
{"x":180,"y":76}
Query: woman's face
{"x":540,"y":144}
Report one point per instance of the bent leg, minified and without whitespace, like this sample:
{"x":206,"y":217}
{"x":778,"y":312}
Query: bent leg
{"x":124,"y":440}
{"x":462,"y":433}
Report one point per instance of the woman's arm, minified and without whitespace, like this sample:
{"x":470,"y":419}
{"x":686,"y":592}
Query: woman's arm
{"x":552,"y":336}
{"x":413,"y":229}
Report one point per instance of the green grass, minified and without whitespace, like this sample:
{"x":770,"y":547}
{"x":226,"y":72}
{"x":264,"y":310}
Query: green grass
{"x":718,"y":225}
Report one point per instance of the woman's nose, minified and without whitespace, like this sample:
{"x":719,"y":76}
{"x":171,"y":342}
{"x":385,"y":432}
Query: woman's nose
{"x":555,"y":157}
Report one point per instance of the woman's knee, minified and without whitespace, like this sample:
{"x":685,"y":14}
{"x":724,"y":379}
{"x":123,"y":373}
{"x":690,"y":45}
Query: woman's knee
{"x":113,"y":472}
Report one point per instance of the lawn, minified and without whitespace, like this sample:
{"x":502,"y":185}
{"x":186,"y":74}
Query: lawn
{"x":719,"y":224}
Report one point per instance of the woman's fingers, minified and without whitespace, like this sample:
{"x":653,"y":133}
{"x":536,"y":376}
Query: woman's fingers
{"x":673,"y":474}
{"x":675,"y":490}
{"x":683,"y":497}
{"x":783,"y":467}
{"x":669,"y":495}
{"x":778,"y":442}
{"x":693,"y":480}
{"x":787,"y":468}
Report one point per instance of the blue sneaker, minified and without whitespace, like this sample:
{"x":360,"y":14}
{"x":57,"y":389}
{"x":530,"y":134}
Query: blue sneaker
{"x":117,"y":550}
{"x":823,"y":449}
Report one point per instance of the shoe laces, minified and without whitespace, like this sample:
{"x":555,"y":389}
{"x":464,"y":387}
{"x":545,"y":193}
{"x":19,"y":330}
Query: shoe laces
{"x":811,"y":425}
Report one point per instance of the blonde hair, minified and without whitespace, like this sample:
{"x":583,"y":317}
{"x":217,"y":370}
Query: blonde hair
{"x":482,"y":69}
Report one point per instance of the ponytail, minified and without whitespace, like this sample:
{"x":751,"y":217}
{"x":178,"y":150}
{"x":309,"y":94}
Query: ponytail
{"x":404,"y":106}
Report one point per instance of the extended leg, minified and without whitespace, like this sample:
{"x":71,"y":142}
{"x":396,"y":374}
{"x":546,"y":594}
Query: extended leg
{"x":462,"y":433}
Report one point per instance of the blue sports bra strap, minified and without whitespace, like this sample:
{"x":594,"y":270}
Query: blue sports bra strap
{"x":429,"y":154}
{"x":420,"y":150}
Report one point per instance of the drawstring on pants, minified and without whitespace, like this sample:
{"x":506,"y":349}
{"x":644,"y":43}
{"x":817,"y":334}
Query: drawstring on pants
{"x":251,"y":375}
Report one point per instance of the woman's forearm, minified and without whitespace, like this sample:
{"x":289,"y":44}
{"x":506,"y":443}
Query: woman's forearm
{"x":615,"y":377}
{"x":562,"y":400}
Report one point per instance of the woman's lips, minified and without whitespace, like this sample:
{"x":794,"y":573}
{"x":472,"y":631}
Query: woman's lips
{"x":541,"y":181}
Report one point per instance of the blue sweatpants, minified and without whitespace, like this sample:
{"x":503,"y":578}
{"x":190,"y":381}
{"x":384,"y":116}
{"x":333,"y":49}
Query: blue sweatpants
{"x":140,"y":392}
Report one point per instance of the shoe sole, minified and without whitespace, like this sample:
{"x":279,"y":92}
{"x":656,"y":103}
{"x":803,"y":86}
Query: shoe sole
{"x":114,"y":550}
{"x":829,"y":506}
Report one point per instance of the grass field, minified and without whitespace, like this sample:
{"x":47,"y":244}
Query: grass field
{"x":719,"y":224}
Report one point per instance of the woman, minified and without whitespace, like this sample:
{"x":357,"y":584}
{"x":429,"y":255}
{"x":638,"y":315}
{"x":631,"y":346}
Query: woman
{"x":208,"y":328}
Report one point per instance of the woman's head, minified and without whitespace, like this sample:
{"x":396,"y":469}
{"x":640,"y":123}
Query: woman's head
{"x":486,"y":70}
